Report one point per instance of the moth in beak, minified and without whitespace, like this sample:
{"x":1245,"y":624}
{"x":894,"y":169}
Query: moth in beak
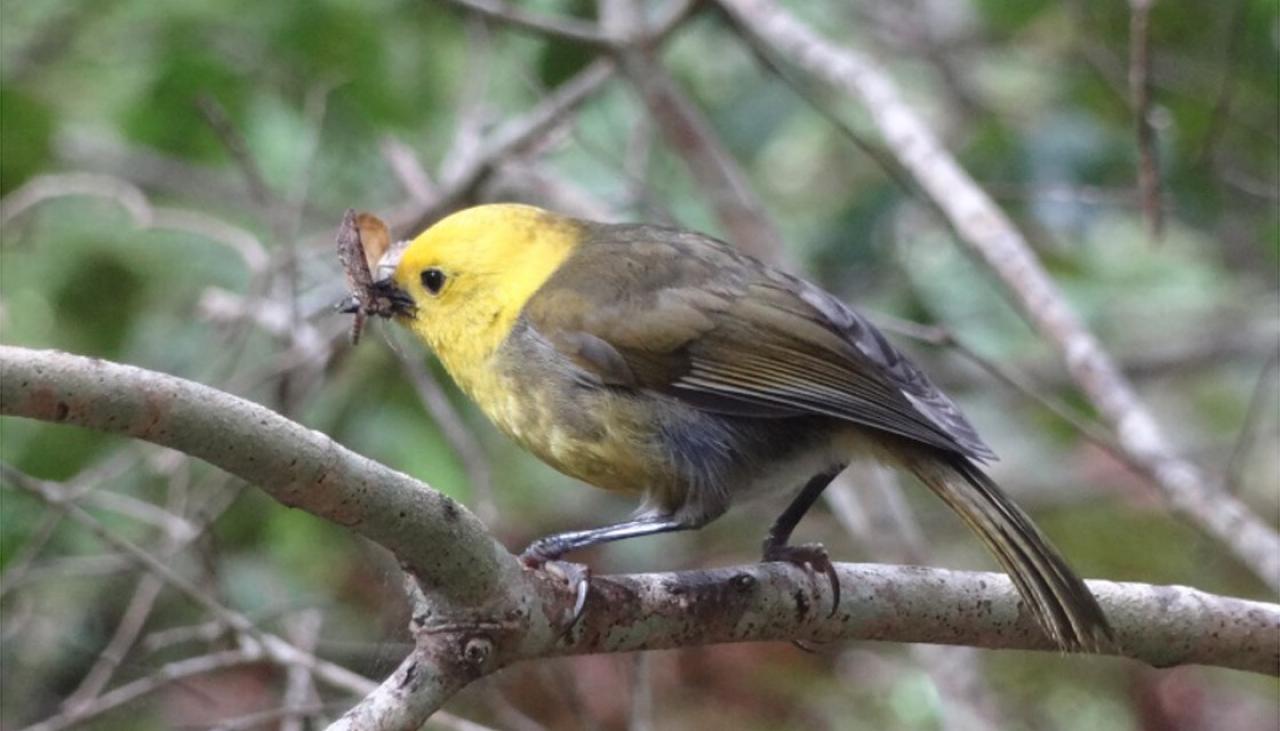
{"x":363,"y":243}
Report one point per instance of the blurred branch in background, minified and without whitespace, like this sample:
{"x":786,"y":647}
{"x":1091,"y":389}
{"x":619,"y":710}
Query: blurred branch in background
{"x":1140,"y":92}
{"x":688,"y":132}
{"x":256,"y":645}
{"x":567,"y":28}
{"x":46,"y":188}
{"x":506,"y":140}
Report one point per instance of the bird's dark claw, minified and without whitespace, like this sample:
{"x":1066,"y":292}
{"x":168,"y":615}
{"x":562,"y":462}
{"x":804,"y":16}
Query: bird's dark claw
{"x":810,"y":556}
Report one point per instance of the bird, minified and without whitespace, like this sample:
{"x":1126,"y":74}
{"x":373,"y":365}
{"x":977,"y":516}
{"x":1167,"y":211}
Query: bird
{"x":664,"y":364}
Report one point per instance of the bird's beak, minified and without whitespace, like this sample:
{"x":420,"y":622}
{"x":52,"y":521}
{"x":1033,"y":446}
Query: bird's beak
{"x":389,"y":300}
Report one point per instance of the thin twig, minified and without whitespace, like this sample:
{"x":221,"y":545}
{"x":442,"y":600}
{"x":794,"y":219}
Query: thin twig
{"x":141,"y":604}
{"x":299,"y":694}
{"x":541,"y":185}
{"x":55,"y":495}
{"x":134,"y":618}
{"x":44,"y":188}
{"x":404,"y":164}
{"x":273,"y":646}
{"x":566,"y":28}
{"x":1140,"y":94}
{"x":687,"y":131}
{"x":507,"y":139}
{"x":205,"y":632}
{"x":152,"y":170}
{"x":766,"y":56}
{"x":174,"y":525}
{"x":294,"y":202}
{"x":19,"y":564}
{"x":1232,"y":50}
{"x":1259,"y":406}
{"x":526,"y":130}
{"x":255,"y":721}
{"x":170,"y":673}
{"x":220,"y":122}
{"x":75,"y":567}
{"x":281,"y":218}
{"x":471,"y":107}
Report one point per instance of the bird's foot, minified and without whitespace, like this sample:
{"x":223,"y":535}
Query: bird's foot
{"x":541,"y":552}
{"x":542,"y":555}
{"x":809,"y":556}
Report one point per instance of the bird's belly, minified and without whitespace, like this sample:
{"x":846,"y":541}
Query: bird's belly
{"x":788,"y":472}
{"x":591,"y":434}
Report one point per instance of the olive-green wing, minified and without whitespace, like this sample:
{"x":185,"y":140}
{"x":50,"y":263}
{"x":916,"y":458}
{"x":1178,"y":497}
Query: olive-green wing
{"x":684,"y":315}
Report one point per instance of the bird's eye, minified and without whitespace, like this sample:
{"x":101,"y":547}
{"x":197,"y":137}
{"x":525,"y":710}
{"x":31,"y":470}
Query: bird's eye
{"x":433,"y":280}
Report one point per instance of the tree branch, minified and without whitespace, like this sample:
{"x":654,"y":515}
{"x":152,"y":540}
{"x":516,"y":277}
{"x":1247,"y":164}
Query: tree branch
{"x":481,"y":612}
{"x":1159,"y":625}
{"x":510,"y":138}
{"x":565,"y":27}
{"x":1140,"y":93}
{"x":438,"y":539}
{"x":983,"y":227}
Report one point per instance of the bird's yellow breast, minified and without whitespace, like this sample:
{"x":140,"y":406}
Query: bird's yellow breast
{"x":594,"y":434}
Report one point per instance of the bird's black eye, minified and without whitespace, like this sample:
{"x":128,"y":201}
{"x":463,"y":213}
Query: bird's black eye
{"x":433,"y":280}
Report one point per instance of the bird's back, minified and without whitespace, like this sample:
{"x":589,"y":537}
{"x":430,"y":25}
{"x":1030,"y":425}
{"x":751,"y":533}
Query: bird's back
{"x":679,"y":313}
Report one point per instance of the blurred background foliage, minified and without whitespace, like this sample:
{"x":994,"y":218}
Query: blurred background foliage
{"x":262,"y":122}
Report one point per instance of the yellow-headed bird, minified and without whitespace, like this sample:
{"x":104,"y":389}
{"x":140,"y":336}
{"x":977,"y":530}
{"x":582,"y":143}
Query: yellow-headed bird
{"x":665,"y":364}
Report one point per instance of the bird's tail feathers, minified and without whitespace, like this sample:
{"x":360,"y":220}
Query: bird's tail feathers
{"x":1060,"y":601}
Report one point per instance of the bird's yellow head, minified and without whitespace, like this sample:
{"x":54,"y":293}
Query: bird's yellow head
{"x":470,"y":275}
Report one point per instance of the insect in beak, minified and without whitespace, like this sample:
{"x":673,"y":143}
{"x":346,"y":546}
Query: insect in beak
{"x":384,"y":299}
{"x":362,"y":240}
{"x":389,"y":300}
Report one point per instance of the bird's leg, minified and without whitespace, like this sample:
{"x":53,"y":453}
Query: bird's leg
{"x":553,"y":547}
{"x":809,"y":554}
{"x":549,"y":549}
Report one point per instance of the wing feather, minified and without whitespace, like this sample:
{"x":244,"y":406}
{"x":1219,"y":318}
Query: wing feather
{"x":685,"y":315}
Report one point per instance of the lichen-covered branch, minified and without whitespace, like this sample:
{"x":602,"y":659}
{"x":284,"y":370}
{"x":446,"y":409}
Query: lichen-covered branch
{"x":479,"y":611}
{"x":985,"y":229}
{"x":1159,"y":625}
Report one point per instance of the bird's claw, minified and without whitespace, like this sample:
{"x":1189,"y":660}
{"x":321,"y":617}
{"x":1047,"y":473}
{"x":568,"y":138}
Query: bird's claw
{"x":576,"y":575}
{"x":810,"y":556}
